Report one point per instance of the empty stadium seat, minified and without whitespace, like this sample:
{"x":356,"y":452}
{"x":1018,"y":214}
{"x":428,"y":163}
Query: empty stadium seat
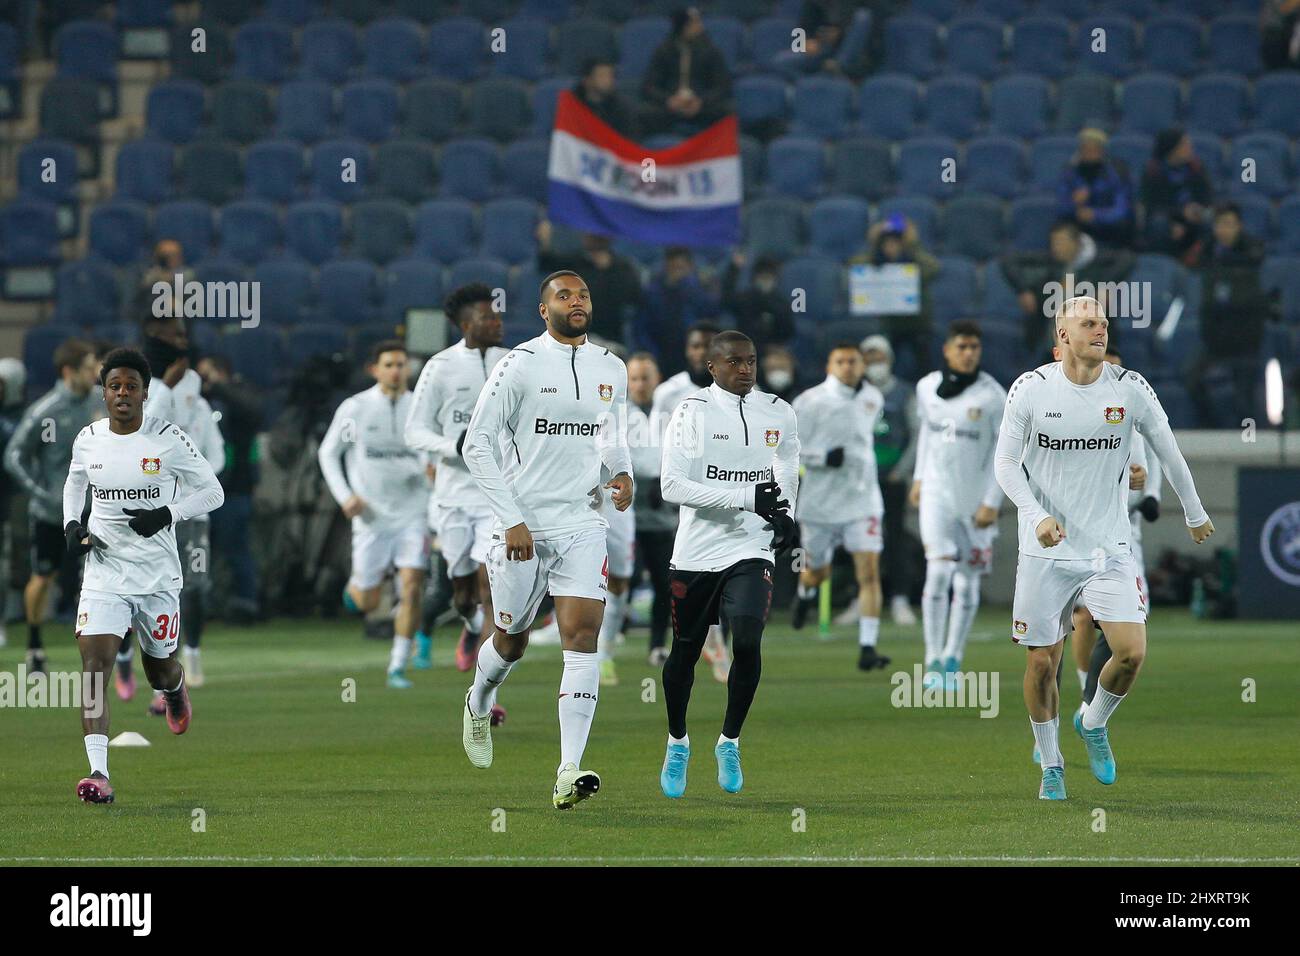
{"x":264,"y":51}
{"x":545,"y":95}
{"x":527,"y":49}
{"x":1271,"y":154}
{"x":954,"y":291}
{"x":340,"y":169}
{"x":273,"y":170}
{"x":995,"y":164}
{"x":189,"y":222}
{"x":410,"y":284}
{"x":923,"y":162}
{"x":1133,"y":150}
{"x":254,"y":355}
{"x":911,"y":45}
{"x":47,"y":170}
{"x":314,"y":229}
{"x":1048,"y":157}
{"x":1031,"y":219}
{"x":305,"y":111}
{"x":1288,"y":215}
{"x":524,"y":169}
{"x":86,"y":292}
{"x":796,"y":166}
{"x":974,"y":45}
{"x":381,"y":230}
{"x":761,"y":104}
{"x":468,"y":169}
{"x":889,"y":105}
{"x":393,"y":48}
{"x":1018,"y":105}
{"x":1040,"y":45}
{"x":1218,"y":103}
{"x":862,"y":167}
{"x":211,"y":170}
{"x":456,"y":47}
{"x":770,"y":37}
{"x":347,"y":289}
{"x":88,"y":49}
{"x":329,"y":50}
{"x":585,"y":38}
{"x":838,"y":226}
{"x":728,"y":35}
{"x":1118,"y":56}
{"x":822,"y":281}
{"x":822,"y":105}
{"x":241,"y":111}
{"x":70,"y":110}
{"x":1172,"y":44}
{"x":208,"y":65}
{"x":369,"y":109}
{"x":316,"y":338}
{"x":773,"y":226}
{"x":637,"y":42}
{"x":1277,"y":103}
{"x":498,"y":108}
{"x":954,"y":105}
{"x":432,"y":110}
{"x":1084,"y":99}
{"x":444,"y":229}
{"x":509,"y":228}
{"x":286,"y":290}
{"x":404,"y":170}
{"x":972,"y":226}
{"x":1150,"y":102}
{"x":250,"y":230}
{"x":1235,"y":43}
{"x":29,"y":233}
{"x":493,"y":273}
{"x":143,"y":171}
{"x":119,"y":231}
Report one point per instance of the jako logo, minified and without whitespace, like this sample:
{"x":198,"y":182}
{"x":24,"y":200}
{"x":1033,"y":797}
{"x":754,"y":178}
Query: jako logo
{"x":103,"y":909}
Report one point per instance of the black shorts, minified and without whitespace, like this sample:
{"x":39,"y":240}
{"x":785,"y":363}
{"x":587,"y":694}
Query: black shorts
{"x":702,"y":598}
{"x":49,"y":547}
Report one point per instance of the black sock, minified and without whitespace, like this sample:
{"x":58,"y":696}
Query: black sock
{"x":746,"y":666}
{"x":1100,"y":655}
{"x":679,"y":675}
{"x":192,"y":617}
{"x":34,"y":638}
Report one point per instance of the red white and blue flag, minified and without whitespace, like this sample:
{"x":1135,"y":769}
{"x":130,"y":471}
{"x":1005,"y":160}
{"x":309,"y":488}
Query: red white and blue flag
{"x":603,"y":182}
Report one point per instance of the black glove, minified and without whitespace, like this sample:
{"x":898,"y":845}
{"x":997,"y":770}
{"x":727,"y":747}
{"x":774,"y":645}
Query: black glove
{"x":460,"y":442}
{"x":73,"y":533}
{"x":147,"y":522}
{"x":835,"y":458}
{"x":785,"y":533}
{"x":655,"y":492}
{"x":1149,"y":508}
{"x":767,"y":498}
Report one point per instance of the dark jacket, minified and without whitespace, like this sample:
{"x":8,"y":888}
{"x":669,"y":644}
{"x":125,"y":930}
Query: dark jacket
{"x":241,"y":418}
{"x":614,"y":110}
{"x":764,"y":316}
{"x":1110,"y":197}
{"x":707,"y":75}
{"x":666,"y":313}
{"x":1234,"y":307}
{"x":1165,"y":191}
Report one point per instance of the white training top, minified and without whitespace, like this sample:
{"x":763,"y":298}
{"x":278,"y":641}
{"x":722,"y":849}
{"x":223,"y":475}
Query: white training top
{"x":153,"y":467}
{"x":364,"y":453}
{"x":552,"y":412}
{"x":669,"y":394}
{"x":441,"y":407}
{"x":719,"y":446}
{"x":958,"y":435}
{"x":1155,"y":478}
{"x":185,"y":407}
{"x":1064,"y":451}
{"x":833,"y":415}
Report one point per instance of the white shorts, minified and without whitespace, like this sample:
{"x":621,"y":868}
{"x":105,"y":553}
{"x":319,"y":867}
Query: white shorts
{"x":464,"y":537}
{"x":820,"y":539}
{"x":946,"y":534}
{"x":375,"y":550}
{"x":620,"y":541}
{"x":1047,"y":592}
{"x":575,"y":565}
{"x":155,"y":617}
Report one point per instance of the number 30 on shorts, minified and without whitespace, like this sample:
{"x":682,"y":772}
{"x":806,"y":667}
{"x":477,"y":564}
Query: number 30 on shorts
{"x":168,"y":625}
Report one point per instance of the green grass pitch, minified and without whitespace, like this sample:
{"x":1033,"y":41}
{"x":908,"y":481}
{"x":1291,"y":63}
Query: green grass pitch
{"x":285,"y":771}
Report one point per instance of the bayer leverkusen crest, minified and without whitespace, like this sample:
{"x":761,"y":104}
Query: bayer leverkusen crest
{"x":151,"y":466}
{"x":1115,"y":416}
{"x":974,"y":413}
{"x":772,"y":436}
{"x":607,"y":393}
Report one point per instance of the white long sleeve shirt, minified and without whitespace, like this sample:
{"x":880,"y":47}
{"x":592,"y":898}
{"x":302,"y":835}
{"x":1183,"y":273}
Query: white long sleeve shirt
{"x":833,"y":415}
{"x":719,"y":446}
{"x":185,"y":407}
{"x":155,"y":466}
{"x":441,"y":407}
{"x":1152,"y":489}
{"x":669,"y":394}
{"x":1064,"y":449}
{"x":958,"y":435}
{"x":364,"y":453}
{"x":544,"y":424}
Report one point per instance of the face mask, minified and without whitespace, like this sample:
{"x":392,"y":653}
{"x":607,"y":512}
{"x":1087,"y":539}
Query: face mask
{"x":878,"y":373}
{"x":160,"y":355}
{"x":780,"y":379}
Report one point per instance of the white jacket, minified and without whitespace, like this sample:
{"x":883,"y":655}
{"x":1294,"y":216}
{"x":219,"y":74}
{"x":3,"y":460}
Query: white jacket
{"x":833,"y":415}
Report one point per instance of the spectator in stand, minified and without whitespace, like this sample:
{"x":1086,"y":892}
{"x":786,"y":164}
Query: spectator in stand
{"x":1072,"y":257}
{"x":687,"y":85}
{"x":675,"y":300}
{"x":598,"y":92}
{"x":778,"y":373}
{"x":761,"y":311}
{"x":1279,"y":29}
{"x":1176,"y":197}
{"x":1234,"y":309}
{"x":168,"y":259}
{"x":13,"y":380}
{"x":240,"y":410}
{"x":836,"y":36}
{"x":614,"y":282}
{"x":892,"y":241}
{"x":1095,"y":192}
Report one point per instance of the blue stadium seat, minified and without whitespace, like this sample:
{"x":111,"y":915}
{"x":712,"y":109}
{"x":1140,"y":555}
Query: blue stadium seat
{"x":210,"y":170}
{"x":286,"y":291}
{"x":493,"y":273}
{"x":545,"y":94}
{"x":922,"y":162}
{"x":838,"y":226}
{"x":1084,"y":99}
{"x":413,"y":283}
{"x":584,"y":38}
{"x":973,"y":226}
{"x":796,"y":166}
{"x":174,"y":110}
{"x":1210,"y":149}
{"x":209,"y":65}
{"x":509,"y":227}
{"x":29,"y":233}
{"x":456,"y":47}
{"x":250,"y":230}
{"x":241,"y":111}
{"x":1040,"y":45}
{"x":42,"y":159}
{"x":923,"y":212}
{"x":369,"y":109}
{"x":520,"y":316}
{"x":264,"y":51}
{"x":39,"y":343}
{"x":941,"y":10}
{"x":432,"y":110}
{"x":528,"y":49}
{"x":822,"y":105}
{"x":524,"y":169}
{"x":888,"y":104}
{"x":1031,"y":218}
{"x":220,"y":269}
{"x":469,"y":169}
{"x":1166,"y":280}
{"x":1272,"y":155}
{"x":294,"y":12}
{"x":314,"y":229}
{"x":954,"y":105}
{"x":404,"y":170}
{"x":86,"y":293}
{"x":328,"y":169}
{"x":954,"y":292}
{"x":974,"y":45}
{"x":1003,"y":355}
{"x":637,"y":42}
{"x":1133,"y":149}
{"x":9,"y":87}
{"x":1120,"y":55}
{"x":1235,"y":46}
{"x":751,"y":166}
{"x":1150,"y":102}
{"x":88,"y":49}
{"x":119,"y":231}
{"x":498,"y":108}
{"x":773,"y":226}
{"x":1000,"y":305}
{"x":305,"y":111}
{"x":381,"y":230}
{"x":761,"y":103}
{"x":728,"y":35}
{"x":1172,"y":44}
{"x":329,"y":50}
{"x":769,"y":37}
{"x":348,"y":290}
{"x":995,"y":164}
{"x":189,"y":222}
{"x":393,"y":49}
{"x":1256,"y":215}
{"x":144,"y":171}
{"x":911,"y":45}
{"x":862,"y":167}
{"x":1018,"y":105}
{"x":1288,"y":215}
{"x":1047,"y":159}
{"x":1277,"y":103}
{"x":1218,"y":103}
{"x":445,"y":229}
{"x":70,"y":110}
{"x":316,"y":338}
{"x":821,"y":279}
{"x":273,"y":170}
{"x":255,"y":355}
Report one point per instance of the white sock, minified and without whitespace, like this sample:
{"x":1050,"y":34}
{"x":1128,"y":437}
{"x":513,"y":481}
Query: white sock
{"x":807,"y":591}
{"x":961,"y":612}
{"x":474,"y":623}
{"x":97,"y":752}
{"x":1083,"y":679}
{"x":684,"y":741}
{"x":1047,"y":735}
{"x":615,"y":607}
{"x":489,"y":672}
{"x":401,"y":650}
{"x":868,"y":631}
{"x":578,"y":688}
{"x":934,"y":607}
{"x":724,"y":739}
{"x":1102,"y":706}
{"x":127,"y":653}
